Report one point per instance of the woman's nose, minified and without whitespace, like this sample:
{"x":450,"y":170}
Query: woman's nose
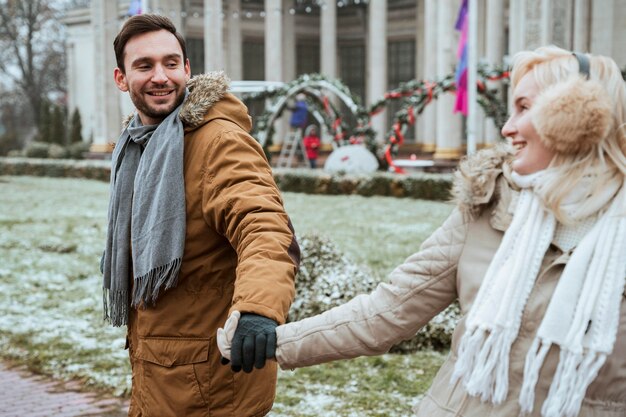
{"x":509,"y":128}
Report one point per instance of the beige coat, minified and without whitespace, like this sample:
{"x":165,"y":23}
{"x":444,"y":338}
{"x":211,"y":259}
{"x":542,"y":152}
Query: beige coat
{"x":240,"y":253}
{"x":451,"y":264}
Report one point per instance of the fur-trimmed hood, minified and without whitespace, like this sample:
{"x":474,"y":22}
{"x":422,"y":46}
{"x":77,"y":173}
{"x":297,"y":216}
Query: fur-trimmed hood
{"x":476,"y":180}
{"x":209,"y":99}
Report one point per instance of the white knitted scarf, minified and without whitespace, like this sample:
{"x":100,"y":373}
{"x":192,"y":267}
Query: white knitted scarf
{"x":582,"y":316}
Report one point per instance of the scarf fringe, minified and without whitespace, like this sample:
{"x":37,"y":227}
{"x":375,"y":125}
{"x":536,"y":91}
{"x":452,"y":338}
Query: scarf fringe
{"x":115,"y":307}
{"x":573,"y":375}
{"x":534,"y":361}
{"x":483,"y":363}
{"x":147,"y":287}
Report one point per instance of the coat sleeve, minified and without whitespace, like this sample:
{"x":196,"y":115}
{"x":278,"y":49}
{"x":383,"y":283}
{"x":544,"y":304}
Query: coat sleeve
{"x":369,"y":324}
{"x":242,"y":202}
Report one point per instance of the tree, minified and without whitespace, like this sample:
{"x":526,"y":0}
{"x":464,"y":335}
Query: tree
{"x":57,"y":126}
{"x":17,"y":127}
{"x":32,"y":57}
{"x":76,"y":127}
{"x":45,"y":121}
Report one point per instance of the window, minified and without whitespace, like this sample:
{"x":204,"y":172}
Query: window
{"x":195,"y":53}
{"x":352,"y":69}
{"x":401,"y":68}
{"x":254,"y":70}
{"x":253,"y":60}
{"x":307,"y":57}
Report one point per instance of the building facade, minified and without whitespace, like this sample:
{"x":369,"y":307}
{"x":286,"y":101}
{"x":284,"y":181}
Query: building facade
{"x":371,"y":46}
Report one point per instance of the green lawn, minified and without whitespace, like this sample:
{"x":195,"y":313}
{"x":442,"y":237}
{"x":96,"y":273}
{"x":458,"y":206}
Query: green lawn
{"x":51,"y":237}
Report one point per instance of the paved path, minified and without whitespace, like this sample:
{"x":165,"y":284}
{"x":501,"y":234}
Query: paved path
{"x":23,"y":394}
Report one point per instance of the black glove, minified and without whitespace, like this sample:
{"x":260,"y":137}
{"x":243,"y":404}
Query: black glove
{"x":254,"y":342}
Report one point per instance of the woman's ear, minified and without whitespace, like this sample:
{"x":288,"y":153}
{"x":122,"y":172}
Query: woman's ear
{"x":572,"y":116}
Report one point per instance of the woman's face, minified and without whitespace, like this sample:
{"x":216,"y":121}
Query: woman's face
{"x":531,"y":154}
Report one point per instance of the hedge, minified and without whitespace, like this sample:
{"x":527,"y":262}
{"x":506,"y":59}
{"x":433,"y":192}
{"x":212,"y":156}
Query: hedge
{"x":416,"y":185}
{"x":328,"y":278}
{"x":89,"y":169}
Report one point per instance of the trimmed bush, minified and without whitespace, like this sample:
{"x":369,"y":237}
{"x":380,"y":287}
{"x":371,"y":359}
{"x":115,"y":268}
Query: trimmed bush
{"x":77,"y":150}
{"x":36,"y":150}
{"x":57,"y":151}
{"x":328,"y":278}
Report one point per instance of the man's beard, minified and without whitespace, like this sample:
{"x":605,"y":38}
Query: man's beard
{"x":143,"y":107}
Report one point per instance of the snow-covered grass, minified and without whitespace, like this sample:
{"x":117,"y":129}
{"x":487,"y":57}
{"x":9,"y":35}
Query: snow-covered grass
{"x":51,"y":238}
{"x":378,"y":231}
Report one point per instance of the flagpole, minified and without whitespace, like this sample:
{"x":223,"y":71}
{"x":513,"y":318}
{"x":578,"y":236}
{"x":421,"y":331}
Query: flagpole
{"x":472,"y":52}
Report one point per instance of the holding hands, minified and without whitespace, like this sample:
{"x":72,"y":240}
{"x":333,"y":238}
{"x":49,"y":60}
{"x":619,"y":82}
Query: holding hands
{"x":246,"y":341}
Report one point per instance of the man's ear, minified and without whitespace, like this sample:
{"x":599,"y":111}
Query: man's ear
{"x":120,"y":79}
{"x":187,"y":70}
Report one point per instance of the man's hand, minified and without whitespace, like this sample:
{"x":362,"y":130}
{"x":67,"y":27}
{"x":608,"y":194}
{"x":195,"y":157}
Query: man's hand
{"x":253,"y":343}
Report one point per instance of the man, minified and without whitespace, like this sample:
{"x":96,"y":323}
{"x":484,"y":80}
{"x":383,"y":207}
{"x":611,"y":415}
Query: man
{"x":196,"y":228}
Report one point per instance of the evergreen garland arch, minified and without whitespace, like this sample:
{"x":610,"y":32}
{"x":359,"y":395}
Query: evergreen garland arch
{"x":318,"y":90}
{"x":414,"y":95}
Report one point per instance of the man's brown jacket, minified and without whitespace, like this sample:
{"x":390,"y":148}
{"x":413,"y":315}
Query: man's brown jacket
{"x":240,"y":254}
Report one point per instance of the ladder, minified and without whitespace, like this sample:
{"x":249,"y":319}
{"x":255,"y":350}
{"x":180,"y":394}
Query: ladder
{"x":291,"y":145}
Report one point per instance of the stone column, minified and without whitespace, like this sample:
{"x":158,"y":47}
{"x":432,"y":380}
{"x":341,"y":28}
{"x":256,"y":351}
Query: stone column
{"x":449,"y":124}
{"x":107,"y":120}
{"x":273,"y":40}
{"x":429,"y":115}
{"x":517,"y":23}
{"x":376,"y":75}
{"x":582,"y":23}
{"x":419,"y":60}
{"x":546,"y":22}
{"x":235,"y":41}
{"x":170,"y":8}
{"x":562,"y":13}
{"x":213,"y":36}
{"x":70,"y":71}
{"x":494,"y":53}
{"x":274,"y":56}
{"x":289,"y":43}
{"x":480,"y":121}
{"x":328,"y":35}
{"x":601,"y":30}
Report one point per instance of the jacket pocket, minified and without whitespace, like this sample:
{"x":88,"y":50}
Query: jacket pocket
{"x":169,"y":385}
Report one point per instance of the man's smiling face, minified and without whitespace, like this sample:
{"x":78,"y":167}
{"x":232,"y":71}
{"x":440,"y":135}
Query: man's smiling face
{"x":155,"y":74}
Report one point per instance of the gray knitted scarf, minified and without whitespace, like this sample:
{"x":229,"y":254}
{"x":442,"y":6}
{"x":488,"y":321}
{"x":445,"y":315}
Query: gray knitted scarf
{"x":146,"y":216}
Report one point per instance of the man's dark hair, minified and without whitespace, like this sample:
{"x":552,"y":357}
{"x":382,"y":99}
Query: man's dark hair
{"x":144,"y":23}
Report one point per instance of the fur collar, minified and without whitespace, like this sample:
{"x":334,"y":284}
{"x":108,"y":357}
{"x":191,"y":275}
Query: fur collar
{"x":205,"y":90}
{"x":476,"y":180}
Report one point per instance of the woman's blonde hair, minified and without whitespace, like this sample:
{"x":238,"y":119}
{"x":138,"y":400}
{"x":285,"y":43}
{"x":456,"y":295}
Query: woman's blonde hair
{"x":552,"y":65}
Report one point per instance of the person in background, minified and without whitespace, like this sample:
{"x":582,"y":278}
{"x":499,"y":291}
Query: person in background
{"x":196,"y":227}
{"x":299,"y":113}
{"x":534,"y":252}
{"x":312,"y":143}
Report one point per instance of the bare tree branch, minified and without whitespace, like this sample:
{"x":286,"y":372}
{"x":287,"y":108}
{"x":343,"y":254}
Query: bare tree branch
{"x":31,"y":49}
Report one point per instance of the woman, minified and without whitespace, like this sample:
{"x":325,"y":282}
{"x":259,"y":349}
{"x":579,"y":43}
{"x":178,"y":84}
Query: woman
{"x":535,"y":253}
